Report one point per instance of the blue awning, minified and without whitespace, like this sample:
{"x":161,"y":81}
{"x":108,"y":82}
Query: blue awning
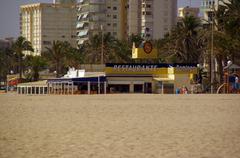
{"x":90,"y":79}
{"x":78,"y":80}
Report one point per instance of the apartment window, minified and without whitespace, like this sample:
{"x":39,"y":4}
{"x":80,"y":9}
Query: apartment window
{"x":148,"y":6}
{"x":114,"y":8}
{"x":46,"y":42}
{"x":114,"y":16}
{"x":108,"y":15}
{"x":109,"y":24}
{"x":114,"y":24}
{"x":147,"y":13}
{"x":109,"y":7}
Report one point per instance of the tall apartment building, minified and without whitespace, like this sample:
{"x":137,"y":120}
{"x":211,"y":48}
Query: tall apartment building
{"x":134,"y":16}
{"x":97,"y":16}
{"x":152,"y":18}
{"x":42,"y":23}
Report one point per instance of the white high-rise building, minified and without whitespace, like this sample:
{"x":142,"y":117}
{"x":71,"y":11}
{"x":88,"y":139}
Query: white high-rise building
{"x":100,"y":16}
{"x":134,"y":16}
{"x":150,"y":18}
{"x":43,"y":23}
{"x":154,"y":18}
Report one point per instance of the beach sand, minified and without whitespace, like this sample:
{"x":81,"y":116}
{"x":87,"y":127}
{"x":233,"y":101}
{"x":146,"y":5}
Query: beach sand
{"x":120,"y":126}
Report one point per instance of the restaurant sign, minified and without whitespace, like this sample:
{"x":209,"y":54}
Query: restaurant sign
{"x":148,"y":69}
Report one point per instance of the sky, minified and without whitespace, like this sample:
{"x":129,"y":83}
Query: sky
{"x":9,"y":14}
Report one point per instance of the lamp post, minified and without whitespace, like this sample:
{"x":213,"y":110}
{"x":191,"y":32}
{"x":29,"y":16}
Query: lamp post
{"x":102,"y":60}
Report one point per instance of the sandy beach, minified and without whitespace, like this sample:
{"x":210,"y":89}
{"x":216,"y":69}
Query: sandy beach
{"x":120,"y":126}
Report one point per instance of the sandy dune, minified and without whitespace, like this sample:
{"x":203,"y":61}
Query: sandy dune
{"x":120,"y":126}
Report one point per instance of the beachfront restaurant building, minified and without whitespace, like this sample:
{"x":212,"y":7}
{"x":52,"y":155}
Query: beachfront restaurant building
{"x":149,"y":78}
{"x":118,"y":78}
{"x":127,"y":78}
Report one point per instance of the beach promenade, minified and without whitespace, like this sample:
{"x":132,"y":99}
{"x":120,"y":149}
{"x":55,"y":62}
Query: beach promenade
{"x":120,"y":126}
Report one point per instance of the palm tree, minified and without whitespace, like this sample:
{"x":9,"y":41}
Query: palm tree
{"x":226,"y":35}
{"x":35,"y":64}
{"x":19,"y":46}
{"x":137,"y":39}
{"x":4,"y":66}
{"x":228,"y":22}
{"x":122,"y":51}
{"x":74,"y":57}
{"x":55,"y":55}
{"x":92,"y":49}
{"x":184,"y":41}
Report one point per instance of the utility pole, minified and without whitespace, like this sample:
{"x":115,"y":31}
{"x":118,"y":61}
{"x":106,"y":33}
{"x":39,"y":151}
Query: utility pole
{"x":212,"y":56}
{"x":102,"y":60}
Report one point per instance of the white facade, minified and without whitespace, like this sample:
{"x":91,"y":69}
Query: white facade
{"x":42,"y":23}
{"x":97,"y":16}
{"x":155,"y":18}
{"x":150,"y":18}
{"x":134,"y":17}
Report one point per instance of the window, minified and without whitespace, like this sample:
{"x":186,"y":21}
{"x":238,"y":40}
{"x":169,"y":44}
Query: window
{"x":147,"y":13}
{"x":114,"y":16}
{"x":148,"y":6}
{"x":46,"y":42}
{"x":114,"y":8}
{"x":114,"y":24}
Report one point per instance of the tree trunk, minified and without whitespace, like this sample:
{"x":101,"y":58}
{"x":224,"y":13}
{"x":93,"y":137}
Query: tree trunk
{"x":35,"y":75}
{"x":58,"y":69}
{"x":220,"y":69}
{"x":20,"y":66}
